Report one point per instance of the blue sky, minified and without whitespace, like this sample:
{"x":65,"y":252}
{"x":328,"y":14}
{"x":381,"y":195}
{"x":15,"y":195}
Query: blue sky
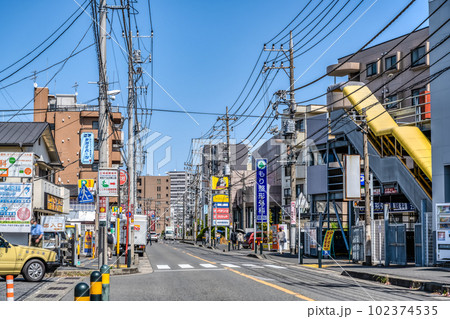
{"x":204,"y":52}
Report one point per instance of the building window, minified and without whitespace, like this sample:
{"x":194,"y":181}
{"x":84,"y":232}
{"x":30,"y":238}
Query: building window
{"x":52,"y":126}
{"x":158,"y":188}
{"x":95,"y":166}
{"x":418,"y":56}
{"x":415,"y":94}
{"x":390,"y":101}
{"x":158,"y":181}
{"x":287,"y":171}
{"x":371,"y":69}
{"x":300,"y":126}
{"x":390,"y":63}
{"x":95,"y":125}
{"x":158,"y":196}
{"x":96,"y":144}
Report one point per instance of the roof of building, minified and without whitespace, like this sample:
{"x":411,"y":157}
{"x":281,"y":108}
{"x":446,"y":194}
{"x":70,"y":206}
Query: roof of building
{"x":26,"y":134}
{"x":21,"y":133}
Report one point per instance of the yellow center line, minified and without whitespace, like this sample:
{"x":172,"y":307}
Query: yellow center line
{"x":290,"y":292}
{"x":211,"y":262}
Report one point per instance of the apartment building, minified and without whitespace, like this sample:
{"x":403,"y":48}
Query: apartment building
{"x":68,"y":120}
{"x":177,"y":197}
{"x":153,"y":196}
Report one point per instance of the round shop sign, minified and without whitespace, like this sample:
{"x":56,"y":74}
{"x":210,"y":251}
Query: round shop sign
{"x":12,"y":160}
{"x":27,"y":171}
{"x":23,"y":213}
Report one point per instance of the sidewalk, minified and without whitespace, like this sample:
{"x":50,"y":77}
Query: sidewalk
{"x":430,"y":279}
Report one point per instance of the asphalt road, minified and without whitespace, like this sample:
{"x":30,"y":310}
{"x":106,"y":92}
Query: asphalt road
{"x":189,"y":273}
{"x":22,"y":288}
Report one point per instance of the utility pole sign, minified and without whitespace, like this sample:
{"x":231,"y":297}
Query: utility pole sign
{"x":261,"y":194}
{"x":108,"y":182}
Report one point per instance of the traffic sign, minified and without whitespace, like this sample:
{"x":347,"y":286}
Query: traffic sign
{"x":123,"y":177}
{"x":128,"y":214}
{"x":85,"y":195}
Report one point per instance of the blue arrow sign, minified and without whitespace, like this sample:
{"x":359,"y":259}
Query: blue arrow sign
{"x":85,"y":195}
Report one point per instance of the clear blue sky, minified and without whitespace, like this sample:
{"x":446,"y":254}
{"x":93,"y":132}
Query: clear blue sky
{"x":204,"y":52}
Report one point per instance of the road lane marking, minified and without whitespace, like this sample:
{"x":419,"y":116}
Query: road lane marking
{"x":252,"y":266}
{"x":163,"y":266}
{"x":208,"y":266}
{"x":185,"y":266}
{"x":290,"y":292}
{"x":231,"y":265}
{"x":211,"y":262}
{"x":276,"y":267}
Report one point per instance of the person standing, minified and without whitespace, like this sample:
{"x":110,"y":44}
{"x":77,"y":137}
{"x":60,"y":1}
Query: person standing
{"x":110,"y":243}
{"x":281,"y":237}
{"x":233,"y":240}
{"x":37,"y":232}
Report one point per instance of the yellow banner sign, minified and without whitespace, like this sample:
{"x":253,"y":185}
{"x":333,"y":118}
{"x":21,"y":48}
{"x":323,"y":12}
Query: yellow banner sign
{"x":89,"y":183}
{"x":220,"y":199}
{"x":327,"y":240}
{"x":219,"y":183}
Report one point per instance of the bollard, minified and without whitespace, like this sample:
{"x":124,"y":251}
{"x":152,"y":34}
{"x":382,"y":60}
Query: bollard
{"x":229,"y":244}
{"x":261,"y":247}
{"x":10,"y":288}
{"x":81,"y":292}
{"x":255,"y":246}
{"x":105,"y":282}
{"x":96,"y":286}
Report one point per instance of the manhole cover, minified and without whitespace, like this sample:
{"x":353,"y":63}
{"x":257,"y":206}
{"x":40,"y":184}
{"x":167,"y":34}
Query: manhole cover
{"x":57,"y":288}
{"x":46,"y":296}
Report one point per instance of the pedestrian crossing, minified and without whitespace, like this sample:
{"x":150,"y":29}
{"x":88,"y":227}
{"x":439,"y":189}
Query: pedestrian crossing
{"x":216,"y":266}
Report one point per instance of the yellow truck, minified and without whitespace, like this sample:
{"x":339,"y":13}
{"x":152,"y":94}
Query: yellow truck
{"x":30,"y":262}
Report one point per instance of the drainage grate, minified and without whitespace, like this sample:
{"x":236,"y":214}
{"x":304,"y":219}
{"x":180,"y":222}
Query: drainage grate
{"x":46,"y":296}
{"x":72,"y":278}
{"x":57,"y":288}
{"x":65,"y":282}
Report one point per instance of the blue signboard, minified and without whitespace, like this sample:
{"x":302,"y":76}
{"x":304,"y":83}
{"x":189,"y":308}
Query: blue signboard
{"x":261,"y":193}
{"x":85,"y":195}
{"x":87,"y":148}
{"x":393,"y":207}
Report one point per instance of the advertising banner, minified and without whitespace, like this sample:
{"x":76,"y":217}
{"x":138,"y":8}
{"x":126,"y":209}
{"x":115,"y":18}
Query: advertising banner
{"x":102,"y":208}
{"x":261,"y":193}
{"x":108,"y":182}
{"x":221,"y":214}
{"x":54,"y":203}
{"x":87,"y":148}
{"x":15,"y":207}
{"x":89,"y":183}
{"x":53,"y":224}
{"x":14,"y":164}
{"x":328,"y":239}
{"x":219,"y":183}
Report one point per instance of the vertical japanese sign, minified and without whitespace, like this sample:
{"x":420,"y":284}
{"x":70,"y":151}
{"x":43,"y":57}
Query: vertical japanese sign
{"x":15,"y":207}
{"x":261,"y":194}
{"x":87,"y":148}
{"x":102,"y":208}
{"x":293,"y":213}
{"x":328,"y":239}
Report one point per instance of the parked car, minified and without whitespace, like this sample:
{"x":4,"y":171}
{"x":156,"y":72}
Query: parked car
{"x":154,"y":237}
{"x":30,"y":262}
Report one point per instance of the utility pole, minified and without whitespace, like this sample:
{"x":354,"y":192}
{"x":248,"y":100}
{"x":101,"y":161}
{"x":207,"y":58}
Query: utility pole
{"x":131,"y":144}
{"x":227,"y":120}
{"x":367,"y":219}
{"x":244,"y":220}
{"x":103,"y":122}
{"x":290,"y":132}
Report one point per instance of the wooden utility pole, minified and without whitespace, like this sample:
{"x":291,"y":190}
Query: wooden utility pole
{"x":367,"y":220}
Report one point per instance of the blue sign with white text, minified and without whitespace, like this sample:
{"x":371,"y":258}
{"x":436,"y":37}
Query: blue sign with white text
{"x":87,"y":148}
{"x":261,"y":192}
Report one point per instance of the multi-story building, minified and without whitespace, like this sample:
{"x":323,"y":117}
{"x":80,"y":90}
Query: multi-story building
{"x":153,"y":196}
{"x":177,"y":198}
{"x":68,"y":120}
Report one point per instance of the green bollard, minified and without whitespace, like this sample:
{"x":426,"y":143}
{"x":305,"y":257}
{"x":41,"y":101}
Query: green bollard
{"x":96,"y":286}
{"x":105,"y":282}
{"x":81,"y":292}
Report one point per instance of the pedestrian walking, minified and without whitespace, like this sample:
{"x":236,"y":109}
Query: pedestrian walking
{"x":240,"y":239}
{"x":206,"y":237}
{"x":233,"y":239}
{"x":110,"y":243}
{"x":281,"y":237}
{"x":37,"y":232}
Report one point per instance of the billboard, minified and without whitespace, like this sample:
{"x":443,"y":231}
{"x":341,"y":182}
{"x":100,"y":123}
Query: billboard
{"x":15,"y":164}
{"x":87,"y":148}
{"x":219,"y":183}
{"x":108,"y":182}
{"x":352,"y":177}
{"x":15,"y":207}
{"x":53,"y":224}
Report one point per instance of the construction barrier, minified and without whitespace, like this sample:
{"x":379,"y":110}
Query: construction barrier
{"x":10,"y":288}
{"x":105,"y":282}
{"x":81,"y":292}
{"x":96,"y":286}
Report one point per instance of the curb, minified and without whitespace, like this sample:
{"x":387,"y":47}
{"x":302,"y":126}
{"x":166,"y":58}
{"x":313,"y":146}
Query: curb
{"x":423,"y":285}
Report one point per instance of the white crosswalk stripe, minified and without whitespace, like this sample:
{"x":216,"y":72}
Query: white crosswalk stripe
{"x":208,"y":266}
{"x":276,"y":267}
{"x":184,"y":266}
{"x":252,"y":266}
{"x":231,"y":266}
{"x":163,"y":266}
